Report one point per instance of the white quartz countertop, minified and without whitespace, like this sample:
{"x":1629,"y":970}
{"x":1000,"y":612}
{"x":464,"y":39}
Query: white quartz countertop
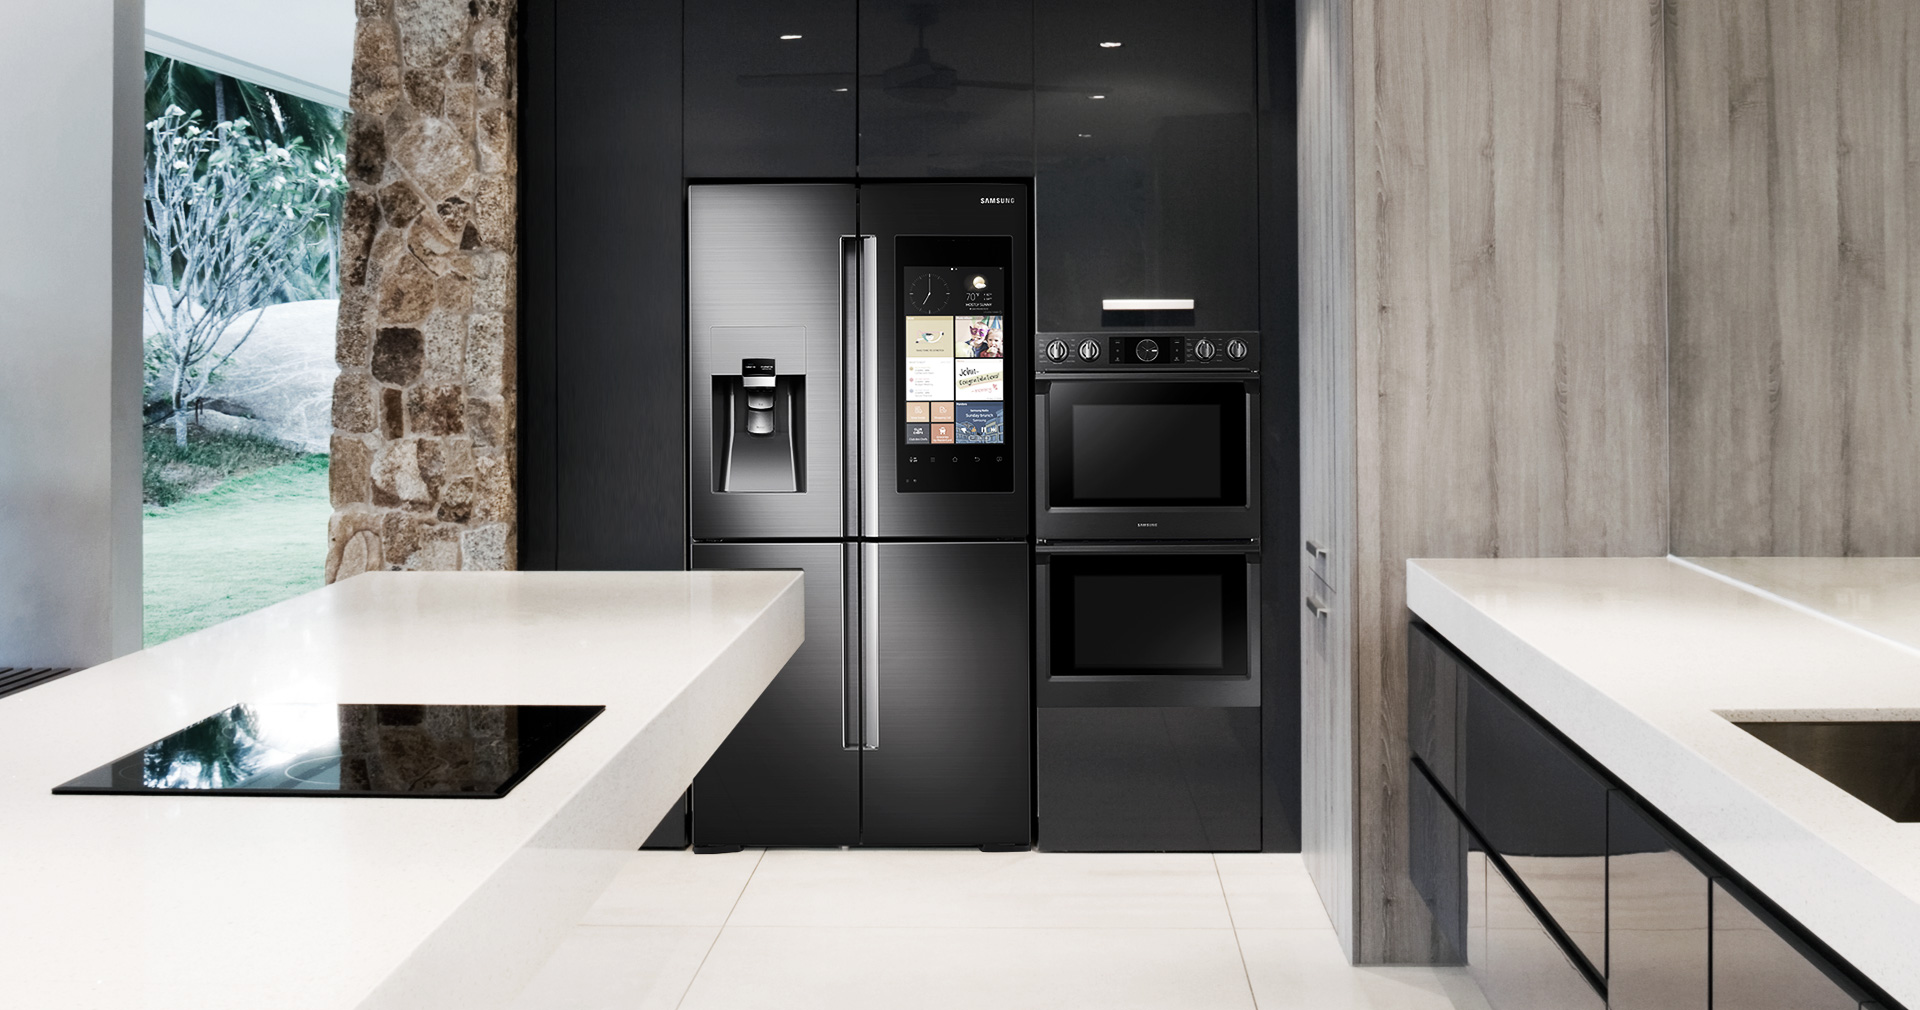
{"x":205,"y":902}
{"x":1639,"y":661}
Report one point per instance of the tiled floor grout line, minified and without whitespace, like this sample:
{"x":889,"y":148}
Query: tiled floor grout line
{"x":1245,"y":971}
{"x":721,"y":931}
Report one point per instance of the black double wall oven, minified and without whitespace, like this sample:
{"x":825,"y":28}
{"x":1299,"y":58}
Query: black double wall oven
{"x":1147,"y":591}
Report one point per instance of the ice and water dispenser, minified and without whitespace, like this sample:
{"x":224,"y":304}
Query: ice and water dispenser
{"x":759,"y":410}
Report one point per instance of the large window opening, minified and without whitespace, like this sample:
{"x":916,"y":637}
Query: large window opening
{"x":243,"y":189}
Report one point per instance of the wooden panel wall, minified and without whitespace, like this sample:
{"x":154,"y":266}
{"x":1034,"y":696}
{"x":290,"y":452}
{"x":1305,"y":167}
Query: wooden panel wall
{"x":1324,"y":47}
{"x":1510,"y":345}
{"x":1796,"y":277}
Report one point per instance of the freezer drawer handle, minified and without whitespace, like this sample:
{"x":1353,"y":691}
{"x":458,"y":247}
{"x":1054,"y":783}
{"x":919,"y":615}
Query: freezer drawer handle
{"x":869,"y":646}
{"x":850,"y":648}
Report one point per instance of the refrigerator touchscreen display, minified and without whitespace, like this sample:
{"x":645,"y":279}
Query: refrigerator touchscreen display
{"x":954,"y":354}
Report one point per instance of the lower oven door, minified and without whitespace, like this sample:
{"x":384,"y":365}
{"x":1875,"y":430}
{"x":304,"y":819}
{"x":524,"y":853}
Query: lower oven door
{"x":1147,"y":625}
{"x":1154,"y":458}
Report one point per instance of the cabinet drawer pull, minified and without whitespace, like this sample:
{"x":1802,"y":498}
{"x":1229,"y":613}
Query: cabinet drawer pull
{"x":1316,"y":550}
{"x":1319,"y":609}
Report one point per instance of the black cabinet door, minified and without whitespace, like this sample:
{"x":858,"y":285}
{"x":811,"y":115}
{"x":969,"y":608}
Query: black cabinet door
{"x":946,"y":88}
{"x":769,"y":89}
{"x":1434,"y":684}
{"x":1758,"y":965}
{"x":1541,"y":809}
{"x":1145,"y":177}
{"x":1657,"y":918}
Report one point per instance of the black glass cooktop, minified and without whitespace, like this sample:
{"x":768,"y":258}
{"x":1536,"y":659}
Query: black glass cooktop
{"x":450,"y":751}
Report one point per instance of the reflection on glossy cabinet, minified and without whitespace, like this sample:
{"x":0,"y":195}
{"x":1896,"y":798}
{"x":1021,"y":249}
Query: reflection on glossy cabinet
{"x":1145,"y":178}
{"x":769,"y":89}
{"x":1540,"y":808}
{"x":1519,"y":965}
{"x":1756,"y":968}
{"x":1657,"y":918}
{"x":946,"y":88}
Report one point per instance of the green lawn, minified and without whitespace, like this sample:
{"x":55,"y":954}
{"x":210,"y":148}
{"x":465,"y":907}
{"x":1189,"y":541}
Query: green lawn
{"x":253,"y":540}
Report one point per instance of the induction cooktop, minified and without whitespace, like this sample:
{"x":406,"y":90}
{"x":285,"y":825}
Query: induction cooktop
{"x":429,"y":751}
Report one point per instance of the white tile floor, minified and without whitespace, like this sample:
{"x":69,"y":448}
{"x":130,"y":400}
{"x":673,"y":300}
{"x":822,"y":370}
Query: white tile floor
{"x":798,"y":928}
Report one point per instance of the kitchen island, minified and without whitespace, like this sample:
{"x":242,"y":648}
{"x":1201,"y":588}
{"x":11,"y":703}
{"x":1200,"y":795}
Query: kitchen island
{"x":161,"y":901}
{"x":1644,"y":666}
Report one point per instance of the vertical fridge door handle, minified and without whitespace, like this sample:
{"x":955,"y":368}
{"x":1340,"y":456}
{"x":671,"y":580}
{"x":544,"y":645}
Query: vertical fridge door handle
{"x":851,"y":257}
{"x":869,"y":344}
{"x":852,"y":715}
{"x":870,"y":646}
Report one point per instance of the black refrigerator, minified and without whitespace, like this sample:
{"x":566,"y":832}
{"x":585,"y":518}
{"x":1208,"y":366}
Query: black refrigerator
{"x":858,"y":410}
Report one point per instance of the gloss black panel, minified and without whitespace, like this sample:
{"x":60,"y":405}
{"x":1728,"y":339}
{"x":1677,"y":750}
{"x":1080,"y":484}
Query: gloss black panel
{"x":770,"y":89}
{"x":1657,"y":916}
{"x":1145,"y":160}
{"x":1758,"y":964}
{"x":946,"y":88}
{"x":1148,"y":779}
{"x":450,"y":751}
{"x":1539,"y":807}
{"x":1169,"y":615}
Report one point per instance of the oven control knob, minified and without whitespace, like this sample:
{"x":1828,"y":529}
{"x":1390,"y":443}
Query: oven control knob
{"x":1056,"y":350}
{"x":1147,"y":350}
{"x":1203,"y":349}
{"x":1089,"y":350}
{"x":1236,"y":349}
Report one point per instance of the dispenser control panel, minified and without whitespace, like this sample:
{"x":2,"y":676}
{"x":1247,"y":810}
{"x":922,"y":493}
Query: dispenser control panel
{"x":954,"y":385}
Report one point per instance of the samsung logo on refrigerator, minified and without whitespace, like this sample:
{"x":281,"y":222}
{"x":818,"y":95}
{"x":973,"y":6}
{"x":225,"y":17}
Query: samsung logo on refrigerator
{"x":999,"y":199}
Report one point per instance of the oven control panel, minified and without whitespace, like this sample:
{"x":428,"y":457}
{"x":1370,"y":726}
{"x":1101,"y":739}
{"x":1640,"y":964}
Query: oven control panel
{"x":1237,"y":351}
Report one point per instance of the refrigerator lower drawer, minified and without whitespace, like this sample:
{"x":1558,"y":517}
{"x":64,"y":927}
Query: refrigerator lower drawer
{"x":1140,"y":779}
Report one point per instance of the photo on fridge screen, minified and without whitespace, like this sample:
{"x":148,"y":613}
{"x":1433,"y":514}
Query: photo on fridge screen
{"x":979,"y":422}
{"x":979,"y":379}
{"x":929,"y":379}
{"x":929,"y":336}
{"x":979,"y":337}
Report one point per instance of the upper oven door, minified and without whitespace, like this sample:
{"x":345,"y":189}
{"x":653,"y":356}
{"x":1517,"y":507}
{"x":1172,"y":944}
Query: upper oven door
{"x":1166,"y":458}
{"x":1160,"y":625}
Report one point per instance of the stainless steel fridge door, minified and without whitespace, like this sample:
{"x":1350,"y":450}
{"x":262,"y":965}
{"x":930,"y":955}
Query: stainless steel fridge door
{"x":768,"y":282}
{"x":889,"y":212}
{"x":949,"y":709}
{"x":786,"y":776}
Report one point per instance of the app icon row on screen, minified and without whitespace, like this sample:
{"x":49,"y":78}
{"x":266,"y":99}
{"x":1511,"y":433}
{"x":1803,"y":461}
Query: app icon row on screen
{"x":965,"y":424}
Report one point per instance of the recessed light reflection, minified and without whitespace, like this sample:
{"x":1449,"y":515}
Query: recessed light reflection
{"x":839,"y":89}
{"x":789,"y":38}
{"x":1083,"y":134}
{"x":1096,"y":97}
{"x":1111,"y":45}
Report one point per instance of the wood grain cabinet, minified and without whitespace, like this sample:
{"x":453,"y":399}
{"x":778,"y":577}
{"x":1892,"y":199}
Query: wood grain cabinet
{"x":1145,"y":148}
{"x":1557,"y":888}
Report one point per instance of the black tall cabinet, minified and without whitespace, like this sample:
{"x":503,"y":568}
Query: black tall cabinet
{"x":1176,"y":183}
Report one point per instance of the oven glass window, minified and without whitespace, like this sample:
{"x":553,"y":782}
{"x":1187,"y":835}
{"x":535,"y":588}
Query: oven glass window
{"x":1137,"y":614}
{"x":1184,"y":631}
{"x":1147,"y":443}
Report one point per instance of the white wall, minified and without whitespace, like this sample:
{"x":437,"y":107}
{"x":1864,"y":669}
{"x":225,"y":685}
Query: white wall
{"x":70,"y":265}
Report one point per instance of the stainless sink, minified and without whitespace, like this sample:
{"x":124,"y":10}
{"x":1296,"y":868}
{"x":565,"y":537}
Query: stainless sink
{"x":1877,"y":762}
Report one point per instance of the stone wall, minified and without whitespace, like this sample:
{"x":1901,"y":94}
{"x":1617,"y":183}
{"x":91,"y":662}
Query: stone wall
{"x":423,"y":410}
